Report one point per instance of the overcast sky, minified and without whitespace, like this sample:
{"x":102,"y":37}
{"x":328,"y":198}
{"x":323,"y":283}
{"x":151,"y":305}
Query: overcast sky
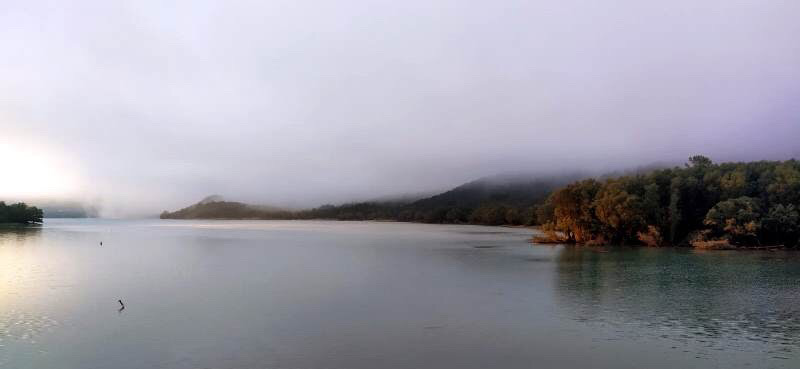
{"x":151,"y":105}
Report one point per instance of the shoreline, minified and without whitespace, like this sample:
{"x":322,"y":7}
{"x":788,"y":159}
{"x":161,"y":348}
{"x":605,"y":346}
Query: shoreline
{"x":688,"y":247}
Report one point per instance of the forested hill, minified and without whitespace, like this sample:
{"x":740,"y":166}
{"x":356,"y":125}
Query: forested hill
{"x":513,"y":191}
{"x":492,"y":200}
{"x":215,"y":207}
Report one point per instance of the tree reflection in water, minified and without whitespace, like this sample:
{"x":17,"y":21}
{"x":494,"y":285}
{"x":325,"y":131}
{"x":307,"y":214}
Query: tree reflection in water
{"x":733,"y":299}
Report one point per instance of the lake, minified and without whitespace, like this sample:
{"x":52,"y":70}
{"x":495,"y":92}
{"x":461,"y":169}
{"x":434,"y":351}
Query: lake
{"x":330,"y":295}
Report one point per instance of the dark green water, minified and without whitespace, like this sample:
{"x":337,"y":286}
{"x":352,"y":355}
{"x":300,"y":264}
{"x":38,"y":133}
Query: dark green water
{"x":327,"y":295}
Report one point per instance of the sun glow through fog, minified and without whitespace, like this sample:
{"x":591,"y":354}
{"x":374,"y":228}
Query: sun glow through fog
{"x":33,"y":171}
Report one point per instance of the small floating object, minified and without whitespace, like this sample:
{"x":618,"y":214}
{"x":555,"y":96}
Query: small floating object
{"x":101,"y":243}
{"x":122,"y":306}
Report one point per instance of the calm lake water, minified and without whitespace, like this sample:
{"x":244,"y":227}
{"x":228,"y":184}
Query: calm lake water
{"x":352,"y":295}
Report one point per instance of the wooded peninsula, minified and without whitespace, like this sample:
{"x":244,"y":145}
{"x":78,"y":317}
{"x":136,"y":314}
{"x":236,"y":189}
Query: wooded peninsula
{"x":702,"y":204}
{"x":19,"y":213}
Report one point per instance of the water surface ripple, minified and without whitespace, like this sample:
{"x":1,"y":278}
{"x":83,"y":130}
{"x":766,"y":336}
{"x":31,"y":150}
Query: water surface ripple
{"x":327,"y":295}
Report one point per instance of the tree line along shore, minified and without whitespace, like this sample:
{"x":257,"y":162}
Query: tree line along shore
{"x":702,"y":204}
{"x":19,"y":213}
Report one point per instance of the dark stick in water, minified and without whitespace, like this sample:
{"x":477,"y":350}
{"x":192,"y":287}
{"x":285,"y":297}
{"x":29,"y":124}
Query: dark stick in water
{"x":122,"y":305}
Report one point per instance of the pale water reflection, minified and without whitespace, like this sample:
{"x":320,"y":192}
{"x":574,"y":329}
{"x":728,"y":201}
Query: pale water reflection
{"x":308,"y":294}
{"x":702,"y":301}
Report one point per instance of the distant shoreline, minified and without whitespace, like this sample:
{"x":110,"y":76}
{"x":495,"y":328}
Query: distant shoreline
{"x":704,"y":205}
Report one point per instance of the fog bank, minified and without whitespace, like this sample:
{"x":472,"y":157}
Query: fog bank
{"x":140,"y":107}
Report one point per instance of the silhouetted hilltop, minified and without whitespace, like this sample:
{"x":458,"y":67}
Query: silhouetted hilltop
{"x":214,"y":207}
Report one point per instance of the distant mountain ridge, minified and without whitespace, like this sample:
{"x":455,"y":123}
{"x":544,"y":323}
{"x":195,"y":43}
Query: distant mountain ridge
{"x":215,"y":207}
{"x":509,"y":190}
{"x":479,"y":201}
{"x":53,"y":208}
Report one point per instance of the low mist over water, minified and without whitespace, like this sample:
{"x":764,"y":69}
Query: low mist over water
{"x":316,"y":294}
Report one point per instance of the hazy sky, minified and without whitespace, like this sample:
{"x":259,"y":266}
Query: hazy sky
{"x":150,"y":105}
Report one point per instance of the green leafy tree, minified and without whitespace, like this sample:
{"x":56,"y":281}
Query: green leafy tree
{"x":621,"y":215}
{"x":573,"y":211}
{"x":782,"y":224}
{"x":784,"y":187}
{"x":737,"y":219}
{"x":699,"y":161}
